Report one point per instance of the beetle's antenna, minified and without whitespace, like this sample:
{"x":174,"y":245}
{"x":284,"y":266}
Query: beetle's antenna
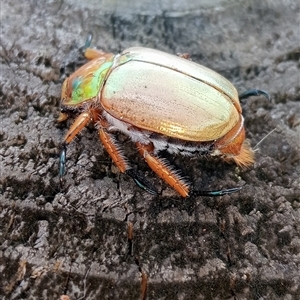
{"x":255,"y":147}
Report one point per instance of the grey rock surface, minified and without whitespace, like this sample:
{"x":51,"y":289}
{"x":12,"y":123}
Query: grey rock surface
{"x":73,"y":241}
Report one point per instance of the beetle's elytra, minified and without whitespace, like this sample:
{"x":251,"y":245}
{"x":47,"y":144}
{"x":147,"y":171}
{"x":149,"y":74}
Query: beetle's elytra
{"x":162,"y":102}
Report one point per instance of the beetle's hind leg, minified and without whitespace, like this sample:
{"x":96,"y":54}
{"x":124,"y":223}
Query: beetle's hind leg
{"x":165,"y":172}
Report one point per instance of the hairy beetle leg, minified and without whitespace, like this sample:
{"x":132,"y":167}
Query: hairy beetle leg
{"x":114,"y":151}
{"x":162,"y":170}
{"x":173,"y":179}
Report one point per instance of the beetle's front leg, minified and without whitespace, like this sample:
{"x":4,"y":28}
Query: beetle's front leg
{"x":90,"y":53}
{"x":80,"y":122}
{"x":165,"y":172}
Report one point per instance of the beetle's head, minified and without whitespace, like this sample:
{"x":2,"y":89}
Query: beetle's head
{"x":233,"y":146}
{"x":83,"y":86}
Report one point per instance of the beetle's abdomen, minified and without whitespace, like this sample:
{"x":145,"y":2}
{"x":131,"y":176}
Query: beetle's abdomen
{"x":169,"y":102}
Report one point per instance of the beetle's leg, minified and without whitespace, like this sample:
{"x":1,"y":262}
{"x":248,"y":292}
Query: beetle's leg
{"x":163,"y":170}
{"x":172,"y":178}
{"x":216,"y":192}
{"x":113,"y":149}
{"x":254,"y":92}
{"x":62,"y":163}
{"x":111,"y":146}
{"x":184,"y":55}
{"x":141,"y":182}
{"x":90,"y":54}
{"x":87,"y":42}
{"x":80,"y":122}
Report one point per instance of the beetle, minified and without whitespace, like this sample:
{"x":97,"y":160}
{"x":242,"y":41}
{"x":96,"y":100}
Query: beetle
{"x":162,"y":102}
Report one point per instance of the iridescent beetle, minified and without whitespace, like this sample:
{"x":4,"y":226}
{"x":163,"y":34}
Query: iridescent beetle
{"x":162,"y":102}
